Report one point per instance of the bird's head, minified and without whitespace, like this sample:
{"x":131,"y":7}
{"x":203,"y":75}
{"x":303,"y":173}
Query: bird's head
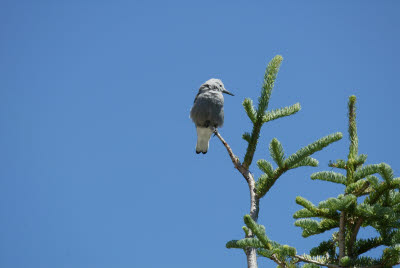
{"x":216,"y":85}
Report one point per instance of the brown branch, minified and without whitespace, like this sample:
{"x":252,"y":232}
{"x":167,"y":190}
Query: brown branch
{"x":254,"y":206}
{"x":251,"y":253}
{"x":235,"y":160}
{"x":275,"y":259}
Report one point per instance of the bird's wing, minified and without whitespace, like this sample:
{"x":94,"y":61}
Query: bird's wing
{"x":201,"y":90}
{"x":196,"y":97}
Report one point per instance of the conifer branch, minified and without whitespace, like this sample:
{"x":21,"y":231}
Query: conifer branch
{"x":312,"y":227}
{"x":361,"y":246}
{"x":246,"y":230}
{"x":303,"y":213}
{"x":246,"y":136}
{"x":266,"y":167}
{"x":386,"y":172}
{"x":391,"y":255}
{"x":309,"y":260}
{"x":379,"y":266}
{"x":367,"y":171}
{"x":373,"y":180}
{"x":360,"y":160}
{"x":342,"y":202}
{"x":298,"y":159}
{"x":325,"y":248}
{"x":380,"y":209}
{"x":311,"y":149}
{"x":258,"y":230}
{"x":306,"y":203}
{"x":340,"y":163}
{"x":353,"y":152}
{"x":307,"y":161}
{"x":312,"y":211}
{"x":278,"y":113}
{"x":257,"y":117}
{"x":381,"y":189}
{"x":353,"y":175}
{"x":276,"y":151}
{"x":329,"y":176}
{"x":249,"y":108}
{"x":358,"y":188}
{"x":265,"y":182}
{"x":270,"y":249}
{"x":269,"y":79}
{"x":245,"y":243}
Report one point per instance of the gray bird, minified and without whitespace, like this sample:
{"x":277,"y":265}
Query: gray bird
{"x":207,"y":112}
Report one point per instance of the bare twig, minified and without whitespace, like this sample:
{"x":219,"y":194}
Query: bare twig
{"x":235,"y":160}
{"x":275,"y":259}
{"x":251,"y":253}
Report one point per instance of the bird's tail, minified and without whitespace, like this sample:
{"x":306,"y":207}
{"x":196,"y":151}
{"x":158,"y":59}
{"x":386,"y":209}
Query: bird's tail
{"x":203,"y":138}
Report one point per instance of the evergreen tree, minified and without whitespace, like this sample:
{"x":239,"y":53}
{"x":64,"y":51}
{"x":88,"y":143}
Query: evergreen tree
{"x":366,"y":201}
{"x":349,"y":212}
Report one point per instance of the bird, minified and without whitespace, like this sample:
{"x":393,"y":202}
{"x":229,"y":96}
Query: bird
{"x":207,"y":112}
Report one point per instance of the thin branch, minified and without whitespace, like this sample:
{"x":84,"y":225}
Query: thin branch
{"x":275,"y":259}
{"x":235,"y":160}
{"x":254,"y":206}
{"x":251,"y":253}
{"x":303,"y":259}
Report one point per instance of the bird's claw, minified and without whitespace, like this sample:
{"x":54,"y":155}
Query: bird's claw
{"x":215,"y":131}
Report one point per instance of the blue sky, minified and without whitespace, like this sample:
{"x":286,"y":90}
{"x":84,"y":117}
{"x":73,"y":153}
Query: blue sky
{"x":97,"y":148}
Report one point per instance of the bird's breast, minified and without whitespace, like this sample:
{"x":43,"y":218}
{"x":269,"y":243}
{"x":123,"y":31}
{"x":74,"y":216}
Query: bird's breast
{"x":214,"y":97}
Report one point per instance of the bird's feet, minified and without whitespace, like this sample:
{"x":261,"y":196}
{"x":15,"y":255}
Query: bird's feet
{"x":214,"y":130}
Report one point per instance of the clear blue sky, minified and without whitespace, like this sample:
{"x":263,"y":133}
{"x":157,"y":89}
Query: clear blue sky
{"x":98,"y":167}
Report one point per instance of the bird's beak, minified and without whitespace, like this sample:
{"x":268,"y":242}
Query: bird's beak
{"x":227,"y":92}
